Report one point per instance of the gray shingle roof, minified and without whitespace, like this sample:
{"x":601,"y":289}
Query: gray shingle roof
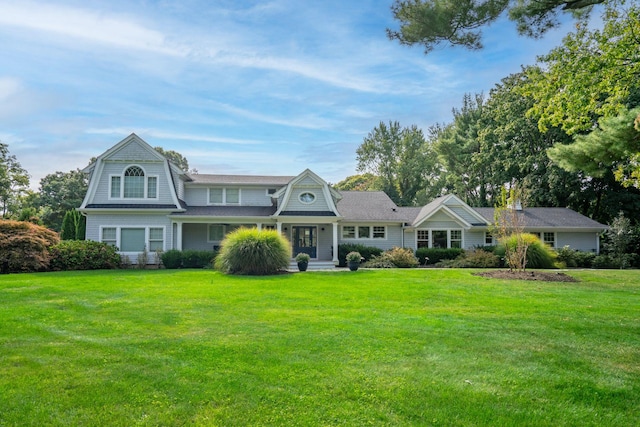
{"x":549,"y":217}
{"x":278,"y":181}
{"x":369,"y":206}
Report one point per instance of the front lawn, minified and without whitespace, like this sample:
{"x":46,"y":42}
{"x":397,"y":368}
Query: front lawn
{"x":373,"y":347}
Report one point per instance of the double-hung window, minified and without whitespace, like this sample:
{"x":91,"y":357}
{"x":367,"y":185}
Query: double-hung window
{"x":224,"y":196}
{"x":549,"y":238}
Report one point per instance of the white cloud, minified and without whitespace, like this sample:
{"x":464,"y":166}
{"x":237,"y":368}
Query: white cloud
{"x":159,"y":134}
{"x":118,"y":31}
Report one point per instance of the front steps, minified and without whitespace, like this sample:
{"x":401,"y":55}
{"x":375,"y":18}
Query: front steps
{"x":313,"y":265}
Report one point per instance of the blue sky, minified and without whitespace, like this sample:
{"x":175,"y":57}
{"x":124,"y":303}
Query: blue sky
{"x":237,"y":87}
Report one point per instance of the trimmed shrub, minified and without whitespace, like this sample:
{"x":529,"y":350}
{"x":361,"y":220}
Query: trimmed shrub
{"x":253,"y":252}
{"x":435,"y":255}
{"x":367,"y":252}
{"x":539,"y":255}
{"x":84,"y":255}
{"x":393,"y":258}
{"x":608,"y":261}
{"x":475,"y":258}
{"x":197,"y":259}
{"x":172,"y":259}
{"x":24,"y":246}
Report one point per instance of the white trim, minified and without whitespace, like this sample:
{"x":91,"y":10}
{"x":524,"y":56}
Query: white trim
{"x":311,"y":193}
{"x":357,"y":232}
{"x":224,"y":196}
{"x":146,"y":236}
{"x":430,"y":236}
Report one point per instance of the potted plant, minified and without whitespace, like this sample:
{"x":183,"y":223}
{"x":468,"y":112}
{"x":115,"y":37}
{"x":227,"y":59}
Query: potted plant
{"x":303,"y":261}
{"x":353,"y":260}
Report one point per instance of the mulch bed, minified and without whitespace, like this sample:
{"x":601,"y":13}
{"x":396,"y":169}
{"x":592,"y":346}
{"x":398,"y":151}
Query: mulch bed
{"x":528,"y":275}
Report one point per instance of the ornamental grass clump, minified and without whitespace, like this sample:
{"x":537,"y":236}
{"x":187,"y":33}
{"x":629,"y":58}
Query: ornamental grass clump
{"x":537,"y":253}
{"x":253,"y":252}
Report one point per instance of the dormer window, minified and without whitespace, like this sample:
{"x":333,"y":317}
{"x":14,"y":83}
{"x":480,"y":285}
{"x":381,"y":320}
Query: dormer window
{"x":134,"y":183}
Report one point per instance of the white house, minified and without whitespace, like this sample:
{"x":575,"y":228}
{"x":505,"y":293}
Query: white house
{"x":137,"y":200}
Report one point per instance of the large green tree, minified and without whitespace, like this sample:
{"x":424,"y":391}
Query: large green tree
{"x":463,"y":169}
{"x":14,"y":182}
{"x":60,"y":192}
{"x":433,"y":22}
{"x":402,"y":160}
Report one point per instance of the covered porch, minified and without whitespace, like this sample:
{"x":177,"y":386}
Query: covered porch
{"x":317,"y":237}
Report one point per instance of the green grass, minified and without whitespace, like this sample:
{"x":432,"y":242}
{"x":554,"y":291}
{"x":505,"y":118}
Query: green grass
{"x":385,"y":347}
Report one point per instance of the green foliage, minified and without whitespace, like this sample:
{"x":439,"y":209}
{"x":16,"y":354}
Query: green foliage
{"x":73,"y":226}
{"x":538,"y":255}
{"x":610,"y":144}
{"x":253,"y":252}
{"x":354,"y":257}
{"x":174,"y":157}
{"x":197,"y":259}
{"x":400,"y":158}
{"x":362,"y":182}
{"x":394,"y":258}
{"x":303,"y":257}
{"x":14,"y":181}
{"x":434,"y":255}
{"x":430,"y":23}
{"x":367,"y":252}
{"x":24,"y":247}
{"x":591,"y":75}
{"x":83,"y":255}
{"x":172,"y":259}
{"x":475,"y":258}
{"x":61,"y":192}
{"x":573,"y":258}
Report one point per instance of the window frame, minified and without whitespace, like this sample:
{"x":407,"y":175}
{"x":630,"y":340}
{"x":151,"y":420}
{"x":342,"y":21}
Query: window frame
{"x":429,"y":233}
{"x":119,"y":194}
{"x":354,"y":232}
{"x":224,"y":201}
{"x":147,"y":237}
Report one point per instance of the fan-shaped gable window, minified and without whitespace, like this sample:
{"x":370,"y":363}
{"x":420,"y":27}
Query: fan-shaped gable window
{"x":134,"y":183}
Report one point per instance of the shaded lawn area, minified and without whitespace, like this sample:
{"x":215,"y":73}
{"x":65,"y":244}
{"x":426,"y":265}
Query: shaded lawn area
{"x":373,"y":347}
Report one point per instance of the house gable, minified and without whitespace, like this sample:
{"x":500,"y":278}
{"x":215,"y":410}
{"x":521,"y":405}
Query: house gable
{"x":109,"y":171}
{"x":448,"y":209}
{"x":307,"y":195}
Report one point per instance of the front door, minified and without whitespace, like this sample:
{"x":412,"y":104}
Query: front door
{"x":305,"y":240}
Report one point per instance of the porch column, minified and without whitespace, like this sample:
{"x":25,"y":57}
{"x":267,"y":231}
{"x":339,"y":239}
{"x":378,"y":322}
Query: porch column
{"x":179,"y":236}
{"x":279,"y":227}
{"x":335,"y":242}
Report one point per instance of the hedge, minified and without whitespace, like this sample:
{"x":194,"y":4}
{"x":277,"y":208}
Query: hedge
{"x":84,"y":255}
{"x":435,"y":255}
{"x":367,"y":252}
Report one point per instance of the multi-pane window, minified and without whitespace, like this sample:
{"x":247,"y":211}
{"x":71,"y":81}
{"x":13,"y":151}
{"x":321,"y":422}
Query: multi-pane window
{"x":379,"y":232}
{"x":456,"y":239}
{"x":152,"y":187}
{"x":109,"y":236}
{"x":363,"y":232}
{"x":133,"y":183}
{"x":348,"y":232}
{"x":439,"y":239}
{"x":224,"y":196}
{"x":134,"y":239}
{"x":156,"y":239}
{"x":549,"y":239}
{"x":423,"y":238}
{"x":488,"y":238}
